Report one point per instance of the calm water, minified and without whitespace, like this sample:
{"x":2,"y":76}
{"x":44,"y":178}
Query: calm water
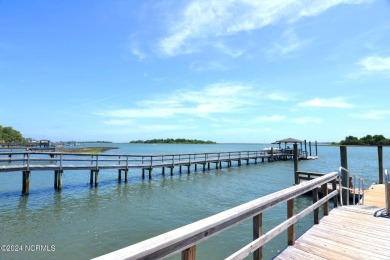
{"x":83,"y":222}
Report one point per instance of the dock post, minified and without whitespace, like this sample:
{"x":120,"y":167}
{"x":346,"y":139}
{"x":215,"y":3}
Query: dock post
{"x":310,"y":148}
{"x":189,"y":253}
{"x":150,"y":173}
{"x":305,"y":149}
{"x":335,"y":198}
{"x":387,"y":193}
{"x":317,"y":210}
{"x":291,"y":229}
{"x":172,"y":170}
{"x":258,"y":232}
{"x":55,"y":180}
{"x":59,"y":185}
{"x":96,"y":177}
{"x":163,"y":171}
{"x":126,"y":173}
{"x":325,"y":206}
{"x":58,"y":180}
{"x":296,"y":163}
{"x":380,"y":163}
{"x":143,"y":173}
{"x":26,"y":183}
{"x":316,"y":148}
{"x":119,"y":175}
{"x":344,"y":174}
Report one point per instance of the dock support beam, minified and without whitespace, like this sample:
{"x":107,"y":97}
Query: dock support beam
{"x":258,"y":232}
{"x":120,"y":174}
{"x":94,"y":178}
{"x":26,"y":183}
{"x":296,"y":163}
{"x":189,"y":253}
{"x":58,"y":180}
{"x":291,"y":229}
{"x":380,"y":163}
{"x":344,"y":174}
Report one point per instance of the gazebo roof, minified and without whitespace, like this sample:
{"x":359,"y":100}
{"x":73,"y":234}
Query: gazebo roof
{"x":289,"y":140}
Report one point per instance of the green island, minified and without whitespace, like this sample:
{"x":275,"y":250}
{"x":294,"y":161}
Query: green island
{"x":172,"y":141}
{"x":366,"y":140}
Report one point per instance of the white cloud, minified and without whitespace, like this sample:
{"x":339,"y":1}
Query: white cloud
{"x":214,"y":99}
{"x":373,"y":114}
{"x":118,"y":122}
{"x":375,"y":63}
{"x":307,"y":120}
{"x":210,"y":66}
{"x":209,"y":19}
{"x":273,"y":118}
{"x":288,"y":43}
{"x":337,"y":102}
{"x":279,"y":96}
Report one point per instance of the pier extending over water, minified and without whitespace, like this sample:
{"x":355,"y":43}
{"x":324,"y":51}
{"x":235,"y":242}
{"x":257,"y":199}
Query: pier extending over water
{"x":28,"y":161}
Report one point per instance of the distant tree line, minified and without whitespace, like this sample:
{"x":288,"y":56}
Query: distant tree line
{"x":366,"y":140}
{"x":172,"y":141}
{"x":8,"y":135}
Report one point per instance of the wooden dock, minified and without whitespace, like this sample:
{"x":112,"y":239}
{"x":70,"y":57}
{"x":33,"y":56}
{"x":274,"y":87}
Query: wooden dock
{"x":28,"y":161}
{"x":374,"y":196}
{"x":350,"y":232}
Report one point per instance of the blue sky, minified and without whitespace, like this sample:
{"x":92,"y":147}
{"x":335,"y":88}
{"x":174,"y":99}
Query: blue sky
{"x":227,"y":71}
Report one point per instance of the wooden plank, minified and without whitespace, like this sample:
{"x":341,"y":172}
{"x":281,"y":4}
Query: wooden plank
{"x":352,"y":251}
{"x":297,"y":254}
{"x":355,"y":236}
{"x":350,"y":232}
{"x":350,"y":241}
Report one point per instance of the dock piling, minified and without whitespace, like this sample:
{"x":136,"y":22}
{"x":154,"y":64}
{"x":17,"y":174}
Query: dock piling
{"x":380,"y":163}
{"x":295,"y":157}
{"x":58,"y":180}
{"x":26,"y":183}
{"x":344,"y":174}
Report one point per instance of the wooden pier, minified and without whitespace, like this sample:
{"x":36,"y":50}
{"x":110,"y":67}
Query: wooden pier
{"x":28,"y":161}
{"x":350,"y":232}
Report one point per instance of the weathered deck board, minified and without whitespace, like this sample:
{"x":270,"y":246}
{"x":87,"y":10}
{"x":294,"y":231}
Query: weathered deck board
{"x":375,"y":195}
{"x":352,"y":232}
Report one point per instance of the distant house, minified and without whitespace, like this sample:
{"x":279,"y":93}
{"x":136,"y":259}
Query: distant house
{"x":44,"y":143}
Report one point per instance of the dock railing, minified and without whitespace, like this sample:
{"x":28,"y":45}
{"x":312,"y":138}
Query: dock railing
{"x":185,"y":239}
{"x":355,"y":187}
{"x":26,"y":160}
{"x":387,"y":191}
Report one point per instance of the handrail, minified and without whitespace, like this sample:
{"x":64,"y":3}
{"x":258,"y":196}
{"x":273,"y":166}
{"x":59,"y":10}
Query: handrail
{"x":387,"y":191}
{"x":352,"y":178}
{"x":31,"y":160}
{"x":185,"y":238}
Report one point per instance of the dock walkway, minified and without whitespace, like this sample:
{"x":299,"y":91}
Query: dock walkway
{"x":28,"y":161}
{"x":349,"y":232}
